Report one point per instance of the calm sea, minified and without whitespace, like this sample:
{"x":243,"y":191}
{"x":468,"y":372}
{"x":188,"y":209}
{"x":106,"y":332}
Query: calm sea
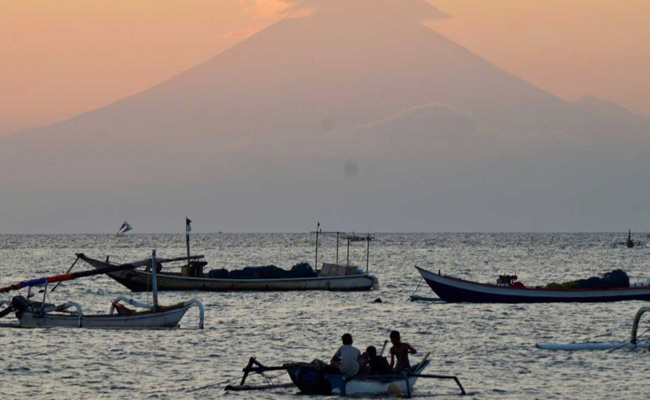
{"x":491,"y":347}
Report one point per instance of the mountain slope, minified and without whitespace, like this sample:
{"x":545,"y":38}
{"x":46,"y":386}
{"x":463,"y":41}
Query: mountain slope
{"x":355,"y":82}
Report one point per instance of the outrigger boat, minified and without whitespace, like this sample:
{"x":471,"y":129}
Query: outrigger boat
{"x":40,"y":314}
{"x":315,"y":378}
{"x":634,"y":343}
{"x":507,"y":290}
{"x":334,"y":277}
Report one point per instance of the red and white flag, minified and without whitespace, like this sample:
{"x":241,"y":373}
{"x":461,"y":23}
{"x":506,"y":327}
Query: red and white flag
{"x":188,"y":224}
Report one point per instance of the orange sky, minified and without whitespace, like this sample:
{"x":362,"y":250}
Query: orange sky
{"x":60,"y":58}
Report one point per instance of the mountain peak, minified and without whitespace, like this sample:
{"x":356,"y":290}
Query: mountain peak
{"x":418,"y":10}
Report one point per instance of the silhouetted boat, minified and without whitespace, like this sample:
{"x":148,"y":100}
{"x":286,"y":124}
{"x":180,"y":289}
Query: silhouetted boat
{"x":629,"y":243}
{"x":328,"y":278}
{"x":455,"y":290}
{"x":332,"y":276}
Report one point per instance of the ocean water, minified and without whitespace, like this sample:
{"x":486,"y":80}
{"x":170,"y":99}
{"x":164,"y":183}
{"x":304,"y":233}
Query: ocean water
{"x":491,"y":347}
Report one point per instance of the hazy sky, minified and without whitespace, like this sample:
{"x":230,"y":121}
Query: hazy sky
{"x":60,"y":58}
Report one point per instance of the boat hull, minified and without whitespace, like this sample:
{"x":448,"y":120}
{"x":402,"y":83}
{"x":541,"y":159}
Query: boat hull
{"x":145,"y":320}
{"x":455,"y":290}
{"x":394,"y":386}
{"x":311,"y":379}
{"x":139,"y":281}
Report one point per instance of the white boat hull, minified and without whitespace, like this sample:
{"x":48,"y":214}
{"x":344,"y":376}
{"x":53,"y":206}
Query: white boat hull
{"x":592,"y":346}
{"x":145,"y":320}
{"x":362,"y":387}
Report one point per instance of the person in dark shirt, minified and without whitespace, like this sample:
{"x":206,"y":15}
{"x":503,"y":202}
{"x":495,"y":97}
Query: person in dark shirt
{"x":399,"y":353}
{"x":376,"y":365}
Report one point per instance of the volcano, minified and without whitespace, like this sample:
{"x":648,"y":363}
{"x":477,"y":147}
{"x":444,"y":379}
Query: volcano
{"x":356,"y":114}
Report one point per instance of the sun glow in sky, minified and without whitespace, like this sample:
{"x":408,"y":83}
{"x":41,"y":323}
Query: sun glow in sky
{"x":60,"y":58}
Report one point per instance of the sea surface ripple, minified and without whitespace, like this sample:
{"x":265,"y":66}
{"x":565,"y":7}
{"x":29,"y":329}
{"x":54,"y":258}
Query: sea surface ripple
{"x":491,"y":347}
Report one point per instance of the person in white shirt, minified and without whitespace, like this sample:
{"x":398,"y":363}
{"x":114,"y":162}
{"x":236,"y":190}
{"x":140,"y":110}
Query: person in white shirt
{"x":346,"y":358}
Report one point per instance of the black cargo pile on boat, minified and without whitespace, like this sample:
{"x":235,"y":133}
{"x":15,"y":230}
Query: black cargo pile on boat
{"x":614,"y":279}
{"x":300,"y":270}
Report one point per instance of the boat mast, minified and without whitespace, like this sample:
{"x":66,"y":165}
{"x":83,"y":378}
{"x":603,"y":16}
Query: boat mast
{"x":367,"y":253}
{"x":347,"y":263}
{"x":188,"y":228}
{"x":337,"y":248}
{"x":316,"y":260}
{"x":154,"y":283}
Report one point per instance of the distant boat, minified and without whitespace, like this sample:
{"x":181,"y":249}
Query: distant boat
{"x":629,"y":243}
{"x":454,"y":290}
{"x":124,"y":228}
{"x":338,"y":276}
{"x":40,"y":314}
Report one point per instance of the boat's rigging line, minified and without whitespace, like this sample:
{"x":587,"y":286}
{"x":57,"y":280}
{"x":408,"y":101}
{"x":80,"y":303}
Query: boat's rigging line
{"x":416,"y":289}
{"x":67,"y":272}
{"x":628,"y":343}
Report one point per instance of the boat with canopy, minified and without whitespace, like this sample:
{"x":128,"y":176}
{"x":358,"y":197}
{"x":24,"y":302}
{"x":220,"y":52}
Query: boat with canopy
{"x":338,"y":276}
{"x":41,"y":314}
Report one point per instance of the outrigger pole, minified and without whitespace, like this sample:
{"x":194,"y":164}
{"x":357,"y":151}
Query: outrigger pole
{"x":257,"y":367}
{"x":66,"y":277}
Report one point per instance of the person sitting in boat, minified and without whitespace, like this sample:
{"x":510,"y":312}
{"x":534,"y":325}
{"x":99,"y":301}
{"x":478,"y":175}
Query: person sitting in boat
{"x":399,"y":353}
{"x":346,"y":358}
{"x":375,"y":364}
{"x":159,"y":267}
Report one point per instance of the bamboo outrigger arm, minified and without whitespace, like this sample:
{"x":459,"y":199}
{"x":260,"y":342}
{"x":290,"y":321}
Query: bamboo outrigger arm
{"x":455,"y":378}
{"x":637,"y":319}
{"x":258,"y":368}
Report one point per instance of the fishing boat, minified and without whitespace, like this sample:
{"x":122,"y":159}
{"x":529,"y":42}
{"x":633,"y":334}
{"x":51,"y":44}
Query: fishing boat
{"x":508,"y":290}
{"x":41,"y":314}
{"x":634,"y":342}
{"x":335,"y":276}
{"x":318,"y":378}
{"x":307,"y":378}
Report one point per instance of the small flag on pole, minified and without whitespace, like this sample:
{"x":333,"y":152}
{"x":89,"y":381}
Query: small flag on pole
{"x":188,"y":224}
{"x":318,"y":228}
{"x":124,"y":228}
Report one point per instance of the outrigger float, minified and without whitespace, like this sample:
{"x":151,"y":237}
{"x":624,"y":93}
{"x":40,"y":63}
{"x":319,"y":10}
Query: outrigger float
{"x":314,"y":378}
{"x":634,"y":343}
{"x":333,"y":277}
{"x":41,"y":314}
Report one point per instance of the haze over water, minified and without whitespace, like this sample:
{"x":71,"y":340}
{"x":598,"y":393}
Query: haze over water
{"x":489,"y":346}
